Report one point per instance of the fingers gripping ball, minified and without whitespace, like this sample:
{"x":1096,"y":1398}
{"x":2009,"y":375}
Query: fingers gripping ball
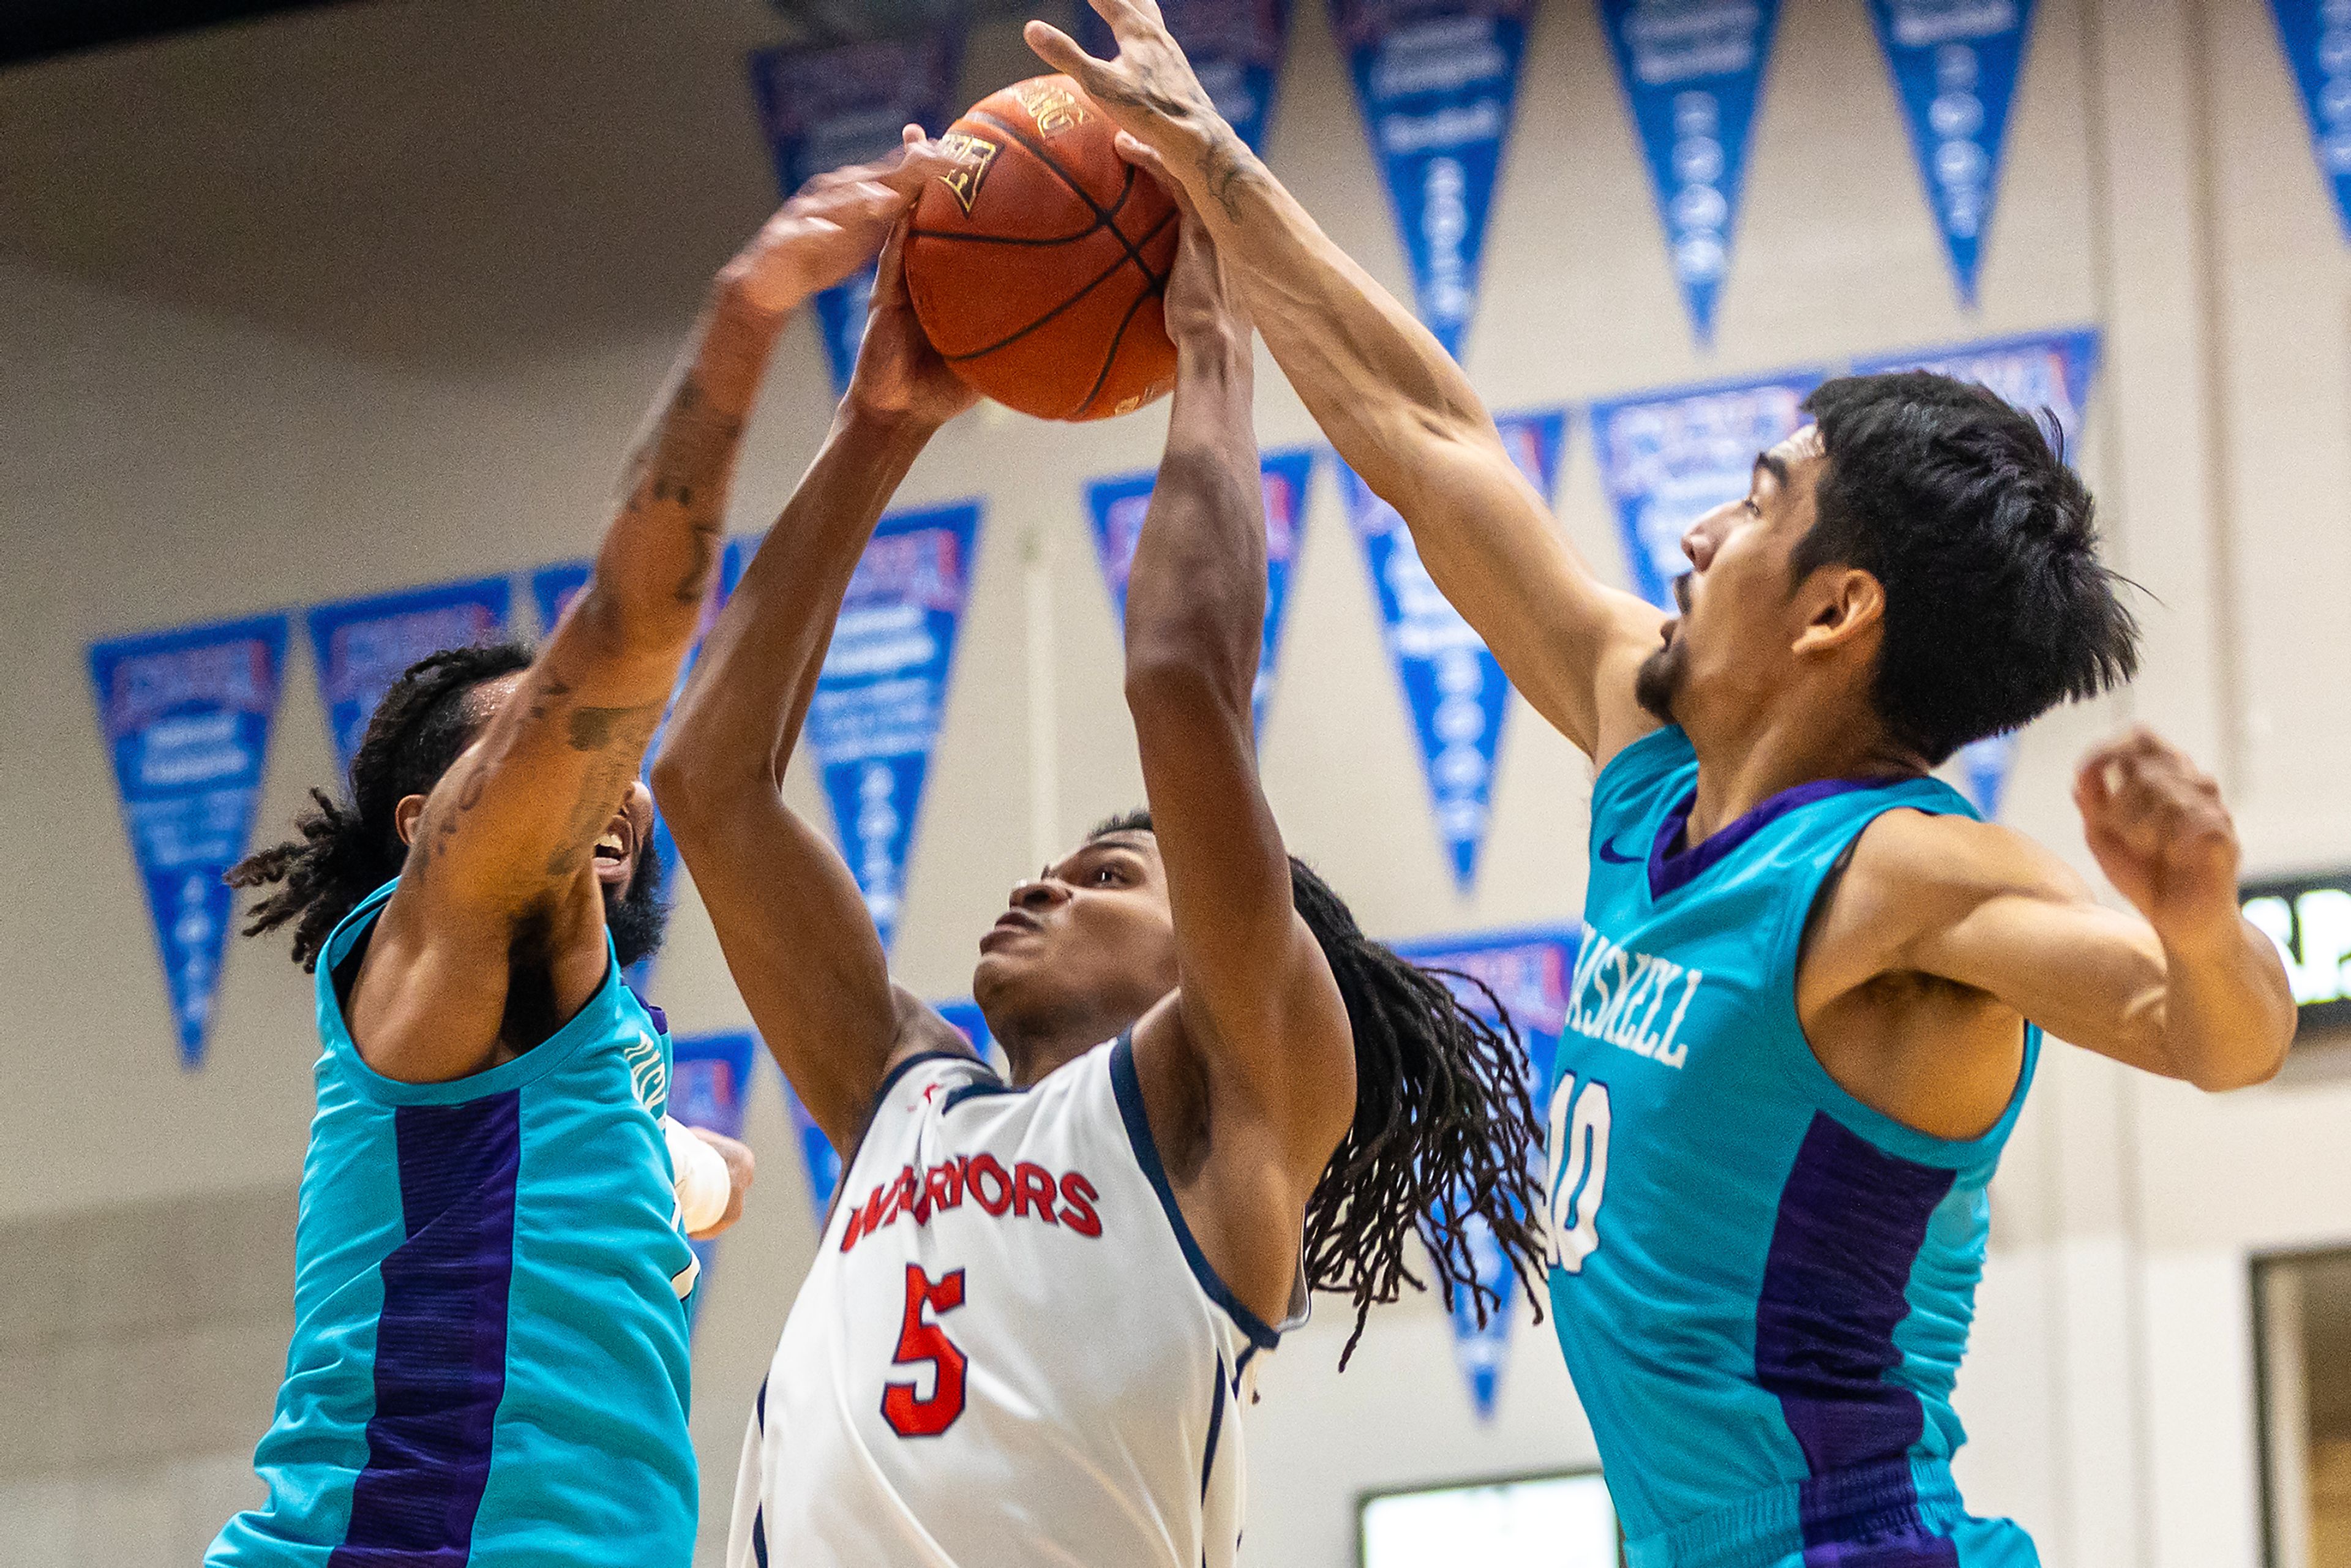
{"x":1036,"y":267}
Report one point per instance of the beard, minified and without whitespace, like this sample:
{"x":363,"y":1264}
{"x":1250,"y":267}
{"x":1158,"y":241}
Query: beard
{"x":1659,"y":680}
{"x":638,"y":915}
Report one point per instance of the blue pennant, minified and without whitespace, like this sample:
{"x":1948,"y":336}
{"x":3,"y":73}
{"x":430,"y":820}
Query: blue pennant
{"x":186,"y":717}
{"x":1117,"y":507}
{"x":824,"y":108}
{"x":879,"y":698}
{"x":1235,"y":48}
{"x":2316,"y":35}
{"x":709,"y":1085}
{"x":1668,"y":458}
{"x":1455,"y":688}
{"x":1528,"y":973}
{"x":362,"y":645}
{"x":1955,"y":66}
{"x":965,"y":1016}
{"x":1693,"y":71}
{"x":2052,"y":371}
{"x":1437,"y":83}
{"x":817,"y":1154}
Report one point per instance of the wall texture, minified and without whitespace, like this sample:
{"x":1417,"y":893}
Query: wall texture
{"x":373,"y":298}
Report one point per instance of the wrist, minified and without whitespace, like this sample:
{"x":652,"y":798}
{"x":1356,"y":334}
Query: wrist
{"x":754,"y":295}
{"x":1221,"y":345}
{"x":880,"y":423}
{"x":2204,"y":936}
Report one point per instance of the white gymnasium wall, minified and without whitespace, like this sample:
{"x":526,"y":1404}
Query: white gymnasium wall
{"x":373,"y":298}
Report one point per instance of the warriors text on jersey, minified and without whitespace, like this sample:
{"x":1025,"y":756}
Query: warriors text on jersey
{"x":489,"y":1359}
{"x":1009,"y":1350}
{"x":1763,"y":1286}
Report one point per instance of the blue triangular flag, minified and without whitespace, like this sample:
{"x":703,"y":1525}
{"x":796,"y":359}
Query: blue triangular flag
{"x":1528,"y":973}
{"x":2042,"y":370}
{"x":361,"y":645}
{"x":817,"y":1154}
{"x":1984,"y":766}
{"x":553,"y":588}
{"x":1452,"y":684}
{"x":1235,"y":48}
{"x":2317,"y":35}
{"x":709,"y":1085}
{"x":1955,"y":66}
{"x":1667,"y":458}
{"x":1437,"y":83}
{"x":1692,"y":72}
{"x":964,"y":1014}
{"x":186,"y":717}
{"x":879,"y":698}
{"x":1117,"y":507}
{"x":824,"y":107}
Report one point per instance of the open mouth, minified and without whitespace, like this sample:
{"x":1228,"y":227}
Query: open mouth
{"x":614,"y":852}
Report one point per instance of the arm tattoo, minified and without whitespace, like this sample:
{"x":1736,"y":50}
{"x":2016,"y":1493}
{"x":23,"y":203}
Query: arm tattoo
{"x":1225,"y":164}
{"x":600,"y":728}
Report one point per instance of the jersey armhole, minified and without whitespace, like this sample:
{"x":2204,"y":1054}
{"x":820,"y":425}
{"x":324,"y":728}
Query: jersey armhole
{"x":1811,"y":1075}
{"x":1127,"y":1085}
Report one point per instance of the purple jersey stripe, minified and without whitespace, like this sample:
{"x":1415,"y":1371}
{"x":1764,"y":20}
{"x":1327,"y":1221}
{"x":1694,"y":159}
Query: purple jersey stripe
{"x":1911,"y":1550}
{"x":1851,"y":1220}
{"x":441,"y":1340}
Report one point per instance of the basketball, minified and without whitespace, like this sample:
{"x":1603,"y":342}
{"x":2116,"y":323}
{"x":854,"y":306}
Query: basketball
{"x":1037,"y":269}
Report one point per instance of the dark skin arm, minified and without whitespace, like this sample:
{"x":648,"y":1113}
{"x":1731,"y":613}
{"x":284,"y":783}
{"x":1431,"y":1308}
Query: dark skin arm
{"x":798,"y":939}
{"x":1248,"y":1070}
{"x":499,"y":916}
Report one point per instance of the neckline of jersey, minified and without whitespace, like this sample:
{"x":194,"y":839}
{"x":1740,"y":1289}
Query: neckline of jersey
{"x":1671,"y":870}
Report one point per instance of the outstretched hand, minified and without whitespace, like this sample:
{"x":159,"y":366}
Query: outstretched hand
{"x":832,"y":227}
{"x":1204,"y":301}
{"x":899,"y":375}
{"x":2160,"y":833}
{"x":1150,"y":92}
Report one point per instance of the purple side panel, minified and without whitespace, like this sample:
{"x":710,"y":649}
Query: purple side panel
{"x":1910,"y":1550}
{"x":1851,"y":1223}
{"x":441,"y":1341}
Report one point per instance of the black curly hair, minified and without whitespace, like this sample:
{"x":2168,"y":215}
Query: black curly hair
{"x":345,"y":850}
{"x":1443,"y":1132}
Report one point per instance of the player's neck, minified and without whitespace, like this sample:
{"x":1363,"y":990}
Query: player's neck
{"x":1745,"y":763}
{"x":1033,"y":1056}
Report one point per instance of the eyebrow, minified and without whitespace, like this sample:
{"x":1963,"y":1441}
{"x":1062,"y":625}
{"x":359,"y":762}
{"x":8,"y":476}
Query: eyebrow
{"x":1123,"y":839}
{"x":1767,"y":462}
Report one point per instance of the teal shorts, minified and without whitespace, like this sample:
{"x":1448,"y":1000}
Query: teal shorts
{"x":1906,"y":1515}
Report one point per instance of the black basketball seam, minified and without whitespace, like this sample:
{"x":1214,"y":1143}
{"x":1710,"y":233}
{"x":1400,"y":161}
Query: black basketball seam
{"x":1111,"y":359}
{"x":1099,"y":279}
{"x":999,"y":239}
{"x":1158,"y":281}
{"x":1103,"y":215}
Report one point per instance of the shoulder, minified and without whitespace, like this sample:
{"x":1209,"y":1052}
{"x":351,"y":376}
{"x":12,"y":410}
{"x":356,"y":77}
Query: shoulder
{"x":1914,"y":875}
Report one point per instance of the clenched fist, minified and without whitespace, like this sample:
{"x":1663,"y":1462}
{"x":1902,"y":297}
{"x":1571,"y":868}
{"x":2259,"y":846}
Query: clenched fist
{"x":2155,"y":822}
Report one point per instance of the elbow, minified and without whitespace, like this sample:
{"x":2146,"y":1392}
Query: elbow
{"x":2248,"y":1068}
{"x":1172,"y":675}
{"x":692,"y":781}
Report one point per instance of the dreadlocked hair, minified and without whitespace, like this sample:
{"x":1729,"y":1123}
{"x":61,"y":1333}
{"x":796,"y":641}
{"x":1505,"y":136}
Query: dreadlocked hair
{"x":1444,"y":1135}
{"x":344,"y":852}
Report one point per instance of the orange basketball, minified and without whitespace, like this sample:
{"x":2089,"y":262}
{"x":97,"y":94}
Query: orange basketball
{"x":1036,"y":267}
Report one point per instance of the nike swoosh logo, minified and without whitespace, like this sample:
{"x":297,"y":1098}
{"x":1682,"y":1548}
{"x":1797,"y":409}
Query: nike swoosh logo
{"x":1608,"y":852}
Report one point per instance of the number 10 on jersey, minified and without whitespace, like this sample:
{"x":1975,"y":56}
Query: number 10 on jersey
{"x":1578,"y":1169}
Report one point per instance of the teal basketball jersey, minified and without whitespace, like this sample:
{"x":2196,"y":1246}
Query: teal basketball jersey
{"x":1762,"y":1286}
{"x":488,"y":1367}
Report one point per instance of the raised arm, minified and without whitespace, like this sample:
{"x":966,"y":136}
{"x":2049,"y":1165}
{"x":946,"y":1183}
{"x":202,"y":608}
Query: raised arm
{"x":2184,"y":987}
{"x":498,"y":903}
{"x":1391,"y":399}
{"x":797,"y":937}
{"x":1258,"y":1017}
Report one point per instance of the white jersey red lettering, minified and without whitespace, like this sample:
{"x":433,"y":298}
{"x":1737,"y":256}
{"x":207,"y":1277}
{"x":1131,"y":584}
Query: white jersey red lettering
{"x":1008,"y":1351}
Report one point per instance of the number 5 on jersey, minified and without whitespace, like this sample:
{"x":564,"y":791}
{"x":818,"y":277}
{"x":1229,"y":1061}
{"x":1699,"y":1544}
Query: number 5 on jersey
{"x":1578,"y":1169}
{"x":922,"y":1341}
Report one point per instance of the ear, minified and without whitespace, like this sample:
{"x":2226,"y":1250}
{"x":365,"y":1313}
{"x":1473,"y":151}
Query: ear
{"x":406,"y":815}
{"x":1842,"y":604}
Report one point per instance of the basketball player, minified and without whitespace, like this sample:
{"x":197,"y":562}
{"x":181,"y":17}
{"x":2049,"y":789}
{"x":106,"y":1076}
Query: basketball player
{"x":1038,"y":1306}
{"x":1814,"y":989}
{"x":489,"y":1356}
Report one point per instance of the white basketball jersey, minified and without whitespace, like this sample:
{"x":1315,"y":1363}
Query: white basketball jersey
{"x":1009,"y":1350}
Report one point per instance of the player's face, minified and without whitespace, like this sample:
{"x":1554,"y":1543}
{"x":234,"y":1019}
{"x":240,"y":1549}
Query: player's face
{"x":1730,"y":643}
{"x":1089,"y":940}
